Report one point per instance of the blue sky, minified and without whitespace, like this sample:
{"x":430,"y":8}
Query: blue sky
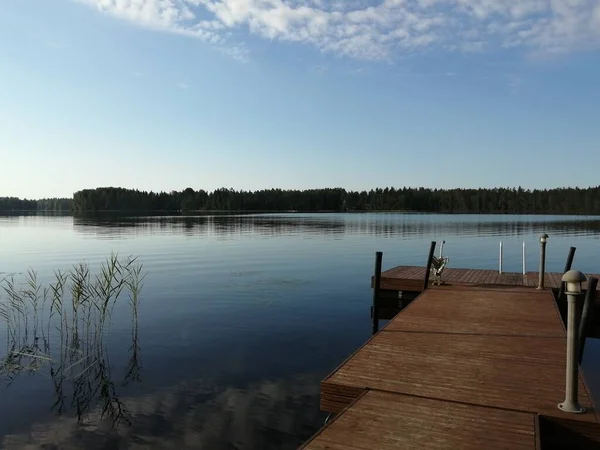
{"x":251,"y":94}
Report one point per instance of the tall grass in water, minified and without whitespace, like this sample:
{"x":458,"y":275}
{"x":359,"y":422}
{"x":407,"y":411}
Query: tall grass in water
{"x":60,"y":330}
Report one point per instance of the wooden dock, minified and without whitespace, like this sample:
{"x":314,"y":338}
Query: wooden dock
{"x":411,"y":278}
{"x":468,"y":365}
{"x":384,"y":420}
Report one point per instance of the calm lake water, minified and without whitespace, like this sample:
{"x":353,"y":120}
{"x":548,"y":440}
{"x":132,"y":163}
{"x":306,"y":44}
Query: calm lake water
{"x":240,"y":317}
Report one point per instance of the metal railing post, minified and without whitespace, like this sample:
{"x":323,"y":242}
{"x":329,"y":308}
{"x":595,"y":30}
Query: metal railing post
{"x":500,"y":258}
{"x":587,"y":316}
{"x":376,"y":289}
{"x":543,"y":240}
{"x":428,"y":266}
{"x":568,"y":264}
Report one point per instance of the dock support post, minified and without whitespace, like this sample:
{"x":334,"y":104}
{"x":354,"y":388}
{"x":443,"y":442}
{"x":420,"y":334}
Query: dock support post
{"x":587,"y":315}
{"x":376,"y":289}
{"x":568,"y":264}
{"x":543,"y":240}
{"x":573,"y":279}
{"x":428,"y":266}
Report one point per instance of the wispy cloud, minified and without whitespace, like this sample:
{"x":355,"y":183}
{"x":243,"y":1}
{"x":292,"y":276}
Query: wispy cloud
{"x":375,"y":30}
{"x":55,"y":44}
{"x":319,"y":69}
{"x":514,"y":84}
{"x":182,"y":85}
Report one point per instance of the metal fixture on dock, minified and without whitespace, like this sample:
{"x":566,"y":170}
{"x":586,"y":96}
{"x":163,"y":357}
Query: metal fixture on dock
{"x":573,"y":280}
{"x":524,"y":260}
{"x":500,"y":257}
{"x":543,"y":240}
{"x":438,"y":265}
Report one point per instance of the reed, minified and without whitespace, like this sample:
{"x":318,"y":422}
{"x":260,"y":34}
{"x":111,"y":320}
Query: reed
{"x":60,"y":330}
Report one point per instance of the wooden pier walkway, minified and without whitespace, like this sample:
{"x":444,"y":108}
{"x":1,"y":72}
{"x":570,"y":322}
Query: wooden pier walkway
{"x":411,"y":278}
{"x":461,"y":367}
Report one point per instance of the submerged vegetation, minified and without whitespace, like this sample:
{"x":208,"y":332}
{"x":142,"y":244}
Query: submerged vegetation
{"x":60,"y":330}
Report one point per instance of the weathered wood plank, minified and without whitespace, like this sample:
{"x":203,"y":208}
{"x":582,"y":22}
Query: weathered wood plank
{"x":525,"y":312}
{"x":493,"y":346}
{"x":510,"y":372}
{"x":383,"y":420}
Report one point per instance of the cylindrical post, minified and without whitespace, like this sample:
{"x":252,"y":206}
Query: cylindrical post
{"x":587,"y":315}
{"x":376,"y":288}
{"x":524,"y":260}
{"x":570,"y":257}
{"x":543,"y":240}
{"x":500,"y":256}
{"x":573,"y":278}
{"x":428,"y":266}
{"x":568,"y":264}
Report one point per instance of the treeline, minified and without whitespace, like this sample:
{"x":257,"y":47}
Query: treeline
{"x":500,"y":200}
{"x":45,"y":204}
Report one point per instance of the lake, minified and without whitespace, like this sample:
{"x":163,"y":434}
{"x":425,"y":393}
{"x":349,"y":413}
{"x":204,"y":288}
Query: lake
{"x":240,"y":318}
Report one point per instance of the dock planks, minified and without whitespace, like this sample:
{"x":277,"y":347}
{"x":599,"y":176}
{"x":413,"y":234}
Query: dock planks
{"x":411,"y":278}
{"x":510,"y":372}
{"x":483,"y":349}
{"x":456,"y":310}
{"x":384,"y":420}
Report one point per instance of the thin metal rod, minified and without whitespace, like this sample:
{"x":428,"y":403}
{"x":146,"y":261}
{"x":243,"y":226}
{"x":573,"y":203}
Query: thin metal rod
{"x":587,"y":315}
{"x":500,"y":257}
{"x":376,"y":288}
{"x":524,"y":260}
{"x":428,"y":266}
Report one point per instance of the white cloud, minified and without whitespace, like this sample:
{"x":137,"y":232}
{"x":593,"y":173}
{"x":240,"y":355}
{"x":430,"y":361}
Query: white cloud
{"x":319,"y":69}
{"x":515,"y":83}
{"x":54,"y":44}
{"x":375,"y":30}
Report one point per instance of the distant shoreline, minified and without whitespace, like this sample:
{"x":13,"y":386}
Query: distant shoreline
{"x":498,"y":201}
{"x":180,"y":213}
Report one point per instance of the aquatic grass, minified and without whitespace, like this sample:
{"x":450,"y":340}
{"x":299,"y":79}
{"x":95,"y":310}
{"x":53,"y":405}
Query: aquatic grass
{"x":73,"y":312}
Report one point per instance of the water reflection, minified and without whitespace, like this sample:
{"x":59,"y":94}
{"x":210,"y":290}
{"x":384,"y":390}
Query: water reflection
{"x":270,"y":414}
{"x":236,"y":329}
{"x":58,"y":332}
{"x":386,"y":225}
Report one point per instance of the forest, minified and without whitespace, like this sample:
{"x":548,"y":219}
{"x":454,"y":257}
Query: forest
{"x":498,"y":200}
{"x":42,"y":205}
{"x":479,"y":201}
